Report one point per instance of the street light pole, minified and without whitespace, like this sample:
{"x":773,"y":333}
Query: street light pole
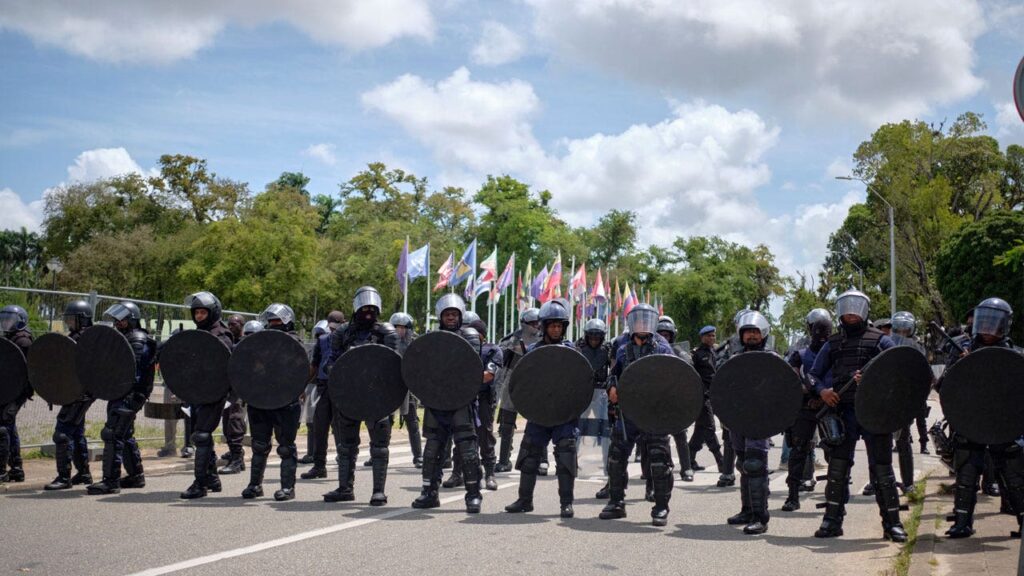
{"x":892,"y":242}
{"x":860,"y":270}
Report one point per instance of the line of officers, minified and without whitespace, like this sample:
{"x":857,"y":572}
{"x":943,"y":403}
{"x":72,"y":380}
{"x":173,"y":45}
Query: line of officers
{"x":826,"y":356}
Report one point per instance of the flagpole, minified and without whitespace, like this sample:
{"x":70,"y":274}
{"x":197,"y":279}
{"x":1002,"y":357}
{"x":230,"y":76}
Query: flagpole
{"x":405,"y":281}
{"x":426,"y":324}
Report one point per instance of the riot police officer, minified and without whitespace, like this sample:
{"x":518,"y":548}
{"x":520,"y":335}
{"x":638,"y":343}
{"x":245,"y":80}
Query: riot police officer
{"x":599,"y":354}
{"x":704,"y":433}
{"x":800,"y":436}
{"x":752,"y":453}
{"x":364,"y":328}
{"x":460,"y":424}
{"x":904,"y":326}
{"x":409,"y":414}
{"x":323,"y":410}
{"x":513,"y":347}
{"x":281,"y":423}
{"x":845,"y":353}
{"x":642,"y":323}
{"x":69,"y":440}
{"x":118,"y":433}
{"x":554,"y":320}
{"x":992,"y":320}
{"x":206,"y":313}
{"x":14,"y":327}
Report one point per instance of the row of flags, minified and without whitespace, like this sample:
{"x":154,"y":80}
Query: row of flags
{"x":594,"y":301}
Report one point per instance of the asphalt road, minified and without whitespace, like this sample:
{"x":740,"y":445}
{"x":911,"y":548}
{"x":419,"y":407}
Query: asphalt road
{"x":151,"y":531}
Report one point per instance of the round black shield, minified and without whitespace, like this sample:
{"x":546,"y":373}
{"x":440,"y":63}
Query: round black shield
{"x":661,"y":394}
{"x":14,"y":376}
{"x":983,"y":395}
{"x":893,"y":389}
{"x":105,"y":363}
{"x":366,"y":383}
{"x":194,"y":364}
{"x":442,"y":370}
{"x":268,"y":369}
{"x":51,"y":369}
{"x":552,"y":385}
{"x":756,"y":395}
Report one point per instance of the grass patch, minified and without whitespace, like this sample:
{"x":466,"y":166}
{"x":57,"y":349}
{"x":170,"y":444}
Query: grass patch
{"x":901,"y":566}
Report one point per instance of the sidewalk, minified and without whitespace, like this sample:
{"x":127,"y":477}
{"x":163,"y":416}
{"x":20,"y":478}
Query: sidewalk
{"x":990,"y":551}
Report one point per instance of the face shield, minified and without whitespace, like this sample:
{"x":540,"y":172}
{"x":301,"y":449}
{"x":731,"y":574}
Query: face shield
{"x":642,"y":320}
{"x":853,"y":303}
{"x":991,"y":322}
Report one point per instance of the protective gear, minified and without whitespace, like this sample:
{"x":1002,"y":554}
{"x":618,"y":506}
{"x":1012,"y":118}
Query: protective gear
{"x":281,"y":312}
{"x":753,"y":320}
{"x":13,"y":318}
{"x":469,"y":317}
{"x":207,"y":301}
{"x":836,"y":495}
{"x":554,"y":311}
{"x":755,"y":475}
{"x":642,"y":319}
{"x":367,"y":296}
{"x":596,"y":327}
{"x":450,"y":301}
{"x":251,"y":327}
{"x":529,"y":316}
{"x":666,"y":324}
{"x":401,"y":319}
{"x":904,"y":324}
{"x":77,"y":316}
{"x":853,"y":302}
{"x":819,"y":327}
{"x":993,"y":317}
{"x":320,"y":328}
{"x":124,"y":311}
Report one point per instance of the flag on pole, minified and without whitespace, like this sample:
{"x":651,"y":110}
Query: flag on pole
{"x":490,"y":267}
{"x":598,"y":292}
{"x":578,"y":284}
{"x":444,"y":273}
{"x":416,"y":263}
{"x":538,"y":283}
{"x":553,"y":282}
{"x":507,"y":276}
{"x":521,"y":296}
{"x":400,"y":272}
{"x":466,"y":268}
{"x":481,"y":288}
{"x":661,"y":305}
{"x":618,"y":296}
{"x":629,"y":300}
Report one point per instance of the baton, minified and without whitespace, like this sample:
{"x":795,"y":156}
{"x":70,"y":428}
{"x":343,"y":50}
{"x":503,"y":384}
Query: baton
{"x":946,"y":337}
{"x":842,"y":390}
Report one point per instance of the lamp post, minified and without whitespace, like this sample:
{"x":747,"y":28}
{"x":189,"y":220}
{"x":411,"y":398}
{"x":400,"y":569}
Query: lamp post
{"x":892,"y":242}
{"x":54,"y":266}
{"x":860,"y":270}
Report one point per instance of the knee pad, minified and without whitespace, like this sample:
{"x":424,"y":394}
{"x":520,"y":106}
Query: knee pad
{"x":107,"y":434}
{"x":565,"y":456}
{"x":61,"y":438}
{"x":202,"y":439}
{"x":660,"y":459}
{"x":261,"y":447}
{"x":378,"y":452}
{"x":755,"y":467}
{"x":529,"y":458}
{"x":286,"y":451}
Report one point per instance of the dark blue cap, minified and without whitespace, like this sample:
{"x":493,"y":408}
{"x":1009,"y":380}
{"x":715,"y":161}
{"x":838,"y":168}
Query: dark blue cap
{"x":707,"y":330}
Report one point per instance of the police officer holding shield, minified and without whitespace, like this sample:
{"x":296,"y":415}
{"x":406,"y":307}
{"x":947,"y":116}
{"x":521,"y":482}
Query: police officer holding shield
{"x":513,"y":347}
{"x":845,"y":354}
{"x":992,"y":320}
{"x":554,"y":320}
{"x":13,"y":327}
{"x":118,"y":433}
{"x":70,"y":444}
{"x":459,"y":424}
{"x":667,"y":330}
{"x":323,"y":411}
{"x":409,"y":413}
{"x":365,"y":328}
{"x":642,"y":323}
{"x":599,"y":353}
{"x":206,"y":313}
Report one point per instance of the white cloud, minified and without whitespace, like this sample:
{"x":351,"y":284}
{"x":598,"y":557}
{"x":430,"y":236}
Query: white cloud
{"x":696,"y":172}
{"x":1010,"y":126}
{"x":101,"y":163}
{"x":323,"y":152}
{"x":838,"y":167}
{"x":497,"y":45}
{"x":17,"y":213}
{"x":158,"y":31}
{"x":868,"y":60}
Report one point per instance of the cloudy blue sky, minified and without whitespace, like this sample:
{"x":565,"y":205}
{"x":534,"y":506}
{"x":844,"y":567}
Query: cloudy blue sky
{"x":727,"y":117}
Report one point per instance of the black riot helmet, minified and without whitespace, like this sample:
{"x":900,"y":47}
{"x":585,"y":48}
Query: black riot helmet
{"x":992,"y":317}
{"x":819,"y":327}
{"x":447,"y":302}
{"x":366,"y":306}
{"x":205,"y":301}
{"x":13,"y":318}
{"x":596,"y":328}
{"x":552,"y":312}
{"x":469,"y":317}
{"x":77,"y":315}
{"x":529,"y":316}
{"x":667,"y":328}
{"x":124,"y":311}
{"x":275,"y":312}
{"x":401,"y":319}
{"x":904,"y":324}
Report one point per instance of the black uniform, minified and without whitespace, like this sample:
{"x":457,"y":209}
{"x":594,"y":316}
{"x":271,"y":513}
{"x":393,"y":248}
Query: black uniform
{"x":348,"y":336}
{"x":800,"y":436}
{"x":10,"y":442}
{"x":704,"y":433}
{"x":487,"y":403}
{"x":70,"y":444}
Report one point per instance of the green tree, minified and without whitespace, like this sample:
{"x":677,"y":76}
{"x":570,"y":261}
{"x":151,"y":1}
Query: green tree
{"x":965,"y":269}
{"x":186,"y":180}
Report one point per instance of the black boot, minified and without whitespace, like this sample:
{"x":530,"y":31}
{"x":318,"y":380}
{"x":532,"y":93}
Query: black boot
{"x":659,"y":514}
{"x":565,"y":493}
{"x":289,"y":466}
{"x":63,"y":461}
{"x":428,"y":497}
{"x":315,"y":472}
{"x":758,"y":488}
{"x":615,"y":509}
{"x":309,"y":457}
{"x":380,"y":456}
{"x":602,"y":494}
{"x":490,"y":482}
{"x":527,"y":482}
{"x":792,"y":502}
{"x":257,"y":467}
{"x":82,"y":474}
{"x":745,"y":515}
{"x":835,"y":499}
{"x":454,"y":479}
{"x":504,"y":455}
{"x":196,"y":490}
{"x":235,"y":464}
{"x":111,"y":472}
{"x":964,"y":500}
{"x":346,"y":476}
{"x":888,"y":499}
